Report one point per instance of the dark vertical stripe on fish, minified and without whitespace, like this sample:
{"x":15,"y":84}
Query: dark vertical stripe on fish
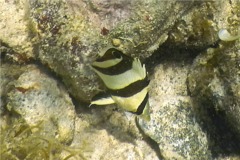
{"x":142,"y":106}
{"x":131,"y":89}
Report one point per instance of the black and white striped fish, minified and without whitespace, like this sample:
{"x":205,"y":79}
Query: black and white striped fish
{"x":126,"y":81}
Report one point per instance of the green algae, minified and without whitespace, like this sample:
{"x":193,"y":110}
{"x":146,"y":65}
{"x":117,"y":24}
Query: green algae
{"x":19,"y":141}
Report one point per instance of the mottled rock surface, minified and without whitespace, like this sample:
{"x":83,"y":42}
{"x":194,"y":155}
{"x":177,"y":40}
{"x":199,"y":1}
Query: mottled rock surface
{"x":38,"y":102}
{"x":108,"y":134}
{"x":8,"y":73}
{"x":173,"y":124}
{"x":194,"y":116}
{"x":67,"y":35}
{"x":198,"y":29}
{"x":214,"y":84}
{"x":38,"y":98}
{"x":14,"y":28}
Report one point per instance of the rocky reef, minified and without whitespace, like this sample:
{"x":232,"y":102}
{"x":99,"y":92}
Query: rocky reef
{"x":47,"y":83}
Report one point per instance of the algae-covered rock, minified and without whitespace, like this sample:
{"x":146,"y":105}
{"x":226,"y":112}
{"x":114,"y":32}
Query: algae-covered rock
{"x":67,"y":35}
{"x":38,"y":98}
{"x":199,"y":27}
{"x":71,"y":39}
{"x":173,"y":124}
{"x":20,"y":141}
{"x":48,"y":119}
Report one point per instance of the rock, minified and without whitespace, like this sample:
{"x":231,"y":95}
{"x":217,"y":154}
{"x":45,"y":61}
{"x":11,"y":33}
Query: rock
{"x":98,"y":132}
{"x":111,"y":136}
{"x":8,"y":73}
{"x":198,"y":28}
{"x":14,"y":29}
{"x":39,"y":99}
{"x":173,"y":124}
{"x":214,"y":85}
{"x":66,"y":36}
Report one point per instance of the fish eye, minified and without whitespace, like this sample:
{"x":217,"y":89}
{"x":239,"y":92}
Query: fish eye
{"x":116,"y":54}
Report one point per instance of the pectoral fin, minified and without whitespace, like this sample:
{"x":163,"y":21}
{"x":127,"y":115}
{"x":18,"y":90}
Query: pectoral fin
{"x":102,"y":98}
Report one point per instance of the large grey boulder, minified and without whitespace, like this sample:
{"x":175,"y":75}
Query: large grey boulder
{"x":39,"y":99}
{"x":173,"y":124}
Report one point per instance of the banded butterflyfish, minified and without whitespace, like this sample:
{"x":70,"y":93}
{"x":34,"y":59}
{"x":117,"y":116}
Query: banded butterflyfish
{"x":126,"y":81}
